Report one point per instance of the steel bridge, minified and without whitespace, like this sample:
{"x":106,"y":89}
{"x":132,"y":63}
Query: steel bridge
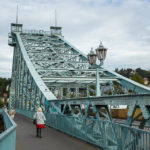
{"x":50,"y":72}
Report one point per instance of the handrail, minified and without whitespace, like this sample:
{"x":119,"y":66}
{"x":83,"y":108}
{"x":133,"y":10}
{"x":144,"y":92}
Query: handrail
{"x":9,"y":135}
{"x":102,"y":133}
{"x":115,"y":136}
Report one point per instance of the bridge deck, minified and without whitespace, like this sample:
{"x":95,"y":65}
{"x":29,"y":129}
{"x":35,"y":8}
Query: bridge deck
{"x":52,"y":139}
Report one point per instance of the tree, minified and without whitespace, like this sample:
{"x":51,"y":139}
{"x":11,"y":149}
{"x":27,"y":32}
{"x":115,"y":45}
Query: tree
{"x":137,"y":78}
{"x":3,"y":84}
{"x":143,"y":73}
{"x":139,"y":75}
{"x":1,"y":103}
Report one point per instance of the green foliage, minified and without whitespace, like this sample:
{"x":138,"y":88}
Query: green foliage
{"x":143,"y":73}
{"x":117,"y":88}
{"x":137,"y":75}
{"x":1,"y":103}
{"x":3,"y":84}
{"x":124,"y":72}
{"x":137,"y":78}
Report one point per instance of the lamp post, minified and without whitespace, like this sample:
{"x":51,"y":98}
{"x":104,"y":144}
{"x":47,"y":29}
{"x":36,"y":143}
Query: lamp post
{"x":101,"y":52}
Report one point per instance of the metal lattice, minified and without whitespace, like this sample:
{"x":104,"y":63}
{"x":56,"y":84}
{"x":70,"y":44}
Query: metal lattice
{"x":51,"y":73}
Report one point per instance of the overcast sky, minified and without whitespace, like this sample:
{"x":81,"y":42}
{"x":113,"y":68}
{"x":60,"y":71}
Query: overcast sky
{"x":122,"y":25}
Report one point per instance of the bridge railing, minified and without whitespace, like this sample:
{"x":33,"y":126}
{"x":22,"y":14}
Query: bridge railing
{"x":102,"y":133}
{"x":8,"y":137}
{"x":105,"y":134}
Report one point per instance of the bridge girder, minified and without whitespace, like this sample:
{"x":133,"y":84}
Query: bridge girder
{"x":48,"y":71}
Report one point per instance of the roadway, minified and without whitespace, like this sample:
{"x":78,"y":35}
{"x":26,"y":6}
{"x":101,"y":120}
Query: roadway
{"x":51,"y":139}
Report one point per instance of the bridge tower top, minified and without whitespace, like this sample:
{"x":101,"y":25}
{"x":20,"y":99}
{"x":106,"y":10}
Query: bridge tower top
{"x":15,"y":27}
{"x":56,"y":30}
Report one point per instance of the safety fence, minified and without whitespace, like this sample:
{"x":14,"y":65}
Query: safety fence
{"x":104,"y":134}
{"x":8,"y":137}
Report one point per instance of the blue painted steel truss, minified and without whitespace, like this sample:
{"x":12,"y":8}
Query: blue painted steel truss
{"x":51,"y":73}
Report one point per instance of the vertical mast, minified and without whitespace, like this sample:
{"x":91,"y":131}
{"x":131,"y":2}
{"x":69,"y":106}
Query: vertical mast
{"x":17,"y":15}
{"x":55,"y":18}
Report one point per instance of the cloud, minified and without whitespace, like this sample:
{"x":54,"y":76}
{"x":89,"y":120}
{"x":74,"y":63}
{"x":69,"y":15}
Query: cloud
{"x":122,"y":25}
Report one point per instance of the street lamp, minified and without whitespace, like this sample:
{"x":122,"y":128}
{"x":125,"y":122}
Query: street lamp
{"x":92,"y":57}
{"x":101,"y":52}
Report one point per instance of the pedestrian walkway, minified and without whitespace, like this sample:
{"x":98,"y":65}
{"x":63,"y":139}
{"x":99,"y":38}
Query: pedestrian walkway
{"x":51,"y":139}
